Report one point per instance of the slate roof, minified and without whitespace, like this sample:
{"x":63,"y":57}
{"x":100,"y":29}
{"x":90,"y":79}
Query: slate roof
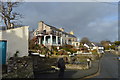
{"x":89,"y":44}
{"x":70,"y":35}
{"x":98,"y":44}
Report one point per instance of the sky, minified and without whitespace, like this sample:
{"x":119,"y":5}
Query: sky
{"x":95,"y":20}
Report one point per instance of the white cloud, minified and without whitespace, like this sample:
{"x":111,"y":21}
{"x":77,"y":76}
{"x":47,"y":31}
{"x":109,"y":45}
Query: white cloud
{"x":86,"y":19}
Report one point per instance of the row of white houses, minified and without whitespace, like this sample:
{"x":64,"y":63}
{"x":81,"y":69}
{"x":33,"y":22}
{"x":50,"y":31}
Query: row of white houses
{"x":93,"y":46}
{"x":17,"y":38}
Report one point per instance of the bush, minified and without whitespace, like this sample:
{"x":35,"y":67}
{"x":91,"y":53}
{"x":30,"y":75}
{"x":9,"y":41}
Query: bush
{"x":62,"y":52}
{"x":94,"y":51}
{"x":67,"y":46}
{"x":73,"y":50}
{"x":112,"y":47}
{"x":32,"y":43}
{"x":16,"y":54}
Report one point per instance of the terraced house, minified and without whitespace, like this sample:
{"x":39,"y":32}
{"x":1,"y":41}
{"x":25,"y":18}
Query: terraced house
{"x":52,"y":36}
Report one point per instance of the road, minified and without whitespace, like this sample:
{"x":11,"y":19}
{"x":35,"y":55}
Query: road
{"x":108,"y":66}
{"x":108,"y":69}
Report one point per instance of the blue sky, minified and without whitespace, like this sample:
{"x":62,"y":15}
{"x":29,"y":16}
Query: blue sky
{"x":95,"y":20}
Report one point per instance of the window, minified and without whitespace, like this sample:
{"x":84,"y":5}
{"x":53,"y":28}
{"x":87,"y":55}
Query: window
{"x":44,"y":31}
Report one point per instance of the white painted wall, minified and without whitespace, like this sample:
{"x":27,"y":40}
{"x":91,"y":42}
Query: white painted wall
{"x":86,"y":45}
{"x":17,"y":40}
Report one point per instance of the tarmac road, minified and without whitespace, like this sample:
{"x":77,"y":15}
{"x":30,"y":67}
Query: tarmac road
{"x":108,"y":66}
{"x":108,"y":69}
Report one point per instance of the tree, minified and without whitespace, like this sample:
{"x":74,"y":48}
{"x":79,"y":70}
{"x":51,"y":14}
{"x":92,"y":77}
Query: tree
{"x":32,"y":44}
{"x":117,"y":43}
{"x":9,"y":16}
{"x":112,"y":47}
{"x":31,"y":34}
{"x":106,"y":44}
{"x":85,"y":40}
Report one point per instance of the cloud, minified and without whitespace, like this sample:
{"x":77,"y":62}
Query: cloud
{"x":97,"y":21}
{"x":103,"y":30}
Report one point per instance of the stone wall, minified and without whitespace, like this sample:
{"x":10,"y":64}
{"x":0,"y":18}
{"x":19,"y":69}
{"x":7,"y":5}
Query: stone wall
{"x":27,"y":67}
{"x":115,"y":52}
{"x":41,"y":63}
{"x":19,"y":68}
{"x":76,"y":66}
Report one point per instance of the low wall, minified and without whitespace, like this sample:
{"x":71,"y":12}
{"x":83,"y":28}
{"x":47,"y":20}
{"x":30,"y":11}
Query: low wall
{"x":76,"y":66}
{"x":19,"y":67}
{"x":115,"y":52}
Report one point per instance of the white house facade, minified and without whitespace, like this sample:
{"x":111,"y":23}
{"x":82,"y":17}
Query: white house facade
{"x":98,"y":47}
{"x":52,"y":36}
{"x":76,"y":44}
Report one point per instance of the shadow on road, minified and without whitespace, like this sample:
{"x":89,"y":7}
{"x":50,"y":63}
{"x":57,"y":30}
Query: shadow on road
{"x":67,"y":74}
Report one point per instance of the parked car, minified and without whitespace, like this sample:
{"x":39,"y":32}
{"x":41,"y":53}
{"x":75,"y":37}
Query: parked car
{"x":37,"y":54}
{"x":41,"y":55}
{"x":71,"y":55}
{"x":30,"y":53}
{"x":101,"y":51}
{"x":118,"y":58}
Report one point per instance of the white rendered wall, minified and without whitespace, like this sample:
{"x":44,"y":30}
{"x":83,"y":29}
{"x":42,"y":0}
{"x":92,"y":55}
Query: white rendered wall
{"x":17,"y":40}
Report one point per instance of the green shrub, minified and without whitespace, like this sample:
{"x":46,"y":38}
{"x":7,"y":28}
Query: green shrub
{"x":16,"y":54}
{"x":94,"y":51}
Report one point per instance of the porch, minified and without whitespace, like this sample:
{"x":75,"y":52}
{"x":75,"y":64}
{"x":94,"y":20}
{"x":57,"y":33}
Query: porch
{"x":50,"y":40}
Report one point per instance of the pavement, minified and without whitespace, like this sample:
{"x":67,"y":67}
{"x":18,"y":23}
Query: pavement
{"x":76,"y":74}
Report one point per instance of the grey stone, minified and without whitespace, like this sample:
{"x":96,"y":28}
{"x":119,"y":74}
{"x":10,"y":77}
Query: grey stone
{"x":20,"y":67}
